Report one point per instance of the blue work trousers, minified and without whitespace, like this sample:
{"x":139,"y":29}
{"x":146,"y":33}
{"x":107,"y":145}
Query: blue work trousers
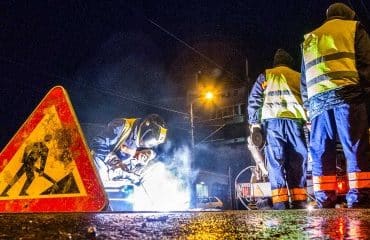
{"x":348,"y":122}
{"x":286,"y":154}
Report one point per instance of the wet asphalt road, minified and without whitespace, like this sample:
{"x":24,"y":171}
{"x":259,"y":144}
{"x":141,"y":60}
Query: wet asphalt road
{"x":292,"y":224}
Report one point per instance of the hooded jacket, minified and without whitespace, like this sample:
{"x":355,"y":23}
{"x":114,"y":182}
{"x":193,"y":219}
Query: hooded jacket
{"x":119,"y":131}
{"x":348,"y":93}
{"x":276,"y":92}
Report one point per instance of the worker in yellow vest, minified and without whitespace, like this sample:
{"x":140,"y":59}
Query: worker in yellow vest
{"x":335,"y":69}
{"x":275,"y":105}
{"x":125,"y":147}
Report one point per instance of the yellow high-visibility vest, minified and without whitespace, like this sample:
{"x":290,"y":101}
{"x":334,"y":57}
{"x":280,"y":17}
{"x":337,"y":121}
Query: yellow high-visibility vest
{"x":129,"y":123}
{"x":329,"y":56}
{"x":282,"y":97}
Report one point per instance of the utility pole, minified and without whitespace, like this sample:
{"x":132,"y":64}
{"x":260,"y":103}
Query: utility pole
{"x":192,"y":126}
{"x":230,"y":190}
{"x":192,"y":99}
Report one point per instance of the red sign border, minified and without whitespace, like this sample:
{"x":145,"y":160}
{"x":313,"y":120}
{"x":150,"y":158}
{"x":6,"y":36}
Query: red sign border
{"x":96,"y":199}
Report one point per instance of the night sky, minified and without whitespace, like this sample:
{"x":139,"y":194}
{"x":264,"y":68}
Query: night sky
{"x":130,"y":58}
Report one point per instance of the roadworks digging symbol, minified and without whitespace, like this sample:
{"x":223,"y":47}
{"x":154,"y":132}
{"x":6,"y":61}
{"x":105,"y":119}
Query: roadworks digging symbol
{"x":47,"y":162}
{"x":43,"y":166}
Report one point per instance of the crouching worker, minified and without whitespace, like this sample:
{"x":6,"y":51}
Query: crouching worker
{"x":275,"y":106}
{"x":125,"y":147}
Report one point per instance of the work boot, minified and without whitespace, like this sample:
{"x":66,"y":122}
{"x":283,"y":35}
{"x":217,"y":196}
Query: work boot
{"x":264,"y":204}
{"x":280,"y":206}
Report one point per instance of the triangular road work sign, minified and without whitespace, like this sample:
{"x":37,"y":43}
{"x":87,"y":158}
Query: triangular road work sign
{"x":46,"y":166}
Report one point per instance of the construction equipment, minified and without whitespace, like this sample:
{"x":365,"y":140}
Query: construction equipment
{"x":255,"y":146}
{"x":258,"y":187}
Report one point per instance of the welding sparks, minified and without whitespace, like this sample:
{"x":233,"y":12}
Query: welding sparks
{"x":161,"y":191}
{"x":164,"y":185}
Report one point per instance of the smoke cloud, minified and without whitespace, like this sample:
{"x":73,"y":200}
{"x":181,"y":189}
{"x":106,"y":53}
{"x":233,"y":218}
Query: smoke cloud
{"x":166,"y":183}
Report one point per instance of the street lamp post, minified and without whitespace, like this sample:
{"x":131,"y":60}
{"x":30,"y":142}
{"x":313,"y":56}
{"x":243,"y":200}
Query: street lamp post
{"x":192,"y":125}
{"x":208,"y":96}
{"x":193,"y":188}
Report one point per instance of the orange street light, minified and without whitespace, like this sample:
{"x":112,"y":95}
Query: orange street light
{"x":209,"y":95}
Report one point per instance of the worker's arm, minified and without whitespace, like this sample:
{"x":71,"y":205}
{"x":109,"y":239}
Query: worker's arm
{"x":103,"y":144}
{"x":304,"y":86}
{"x":255,"y":101}
{"x":362,"y":54}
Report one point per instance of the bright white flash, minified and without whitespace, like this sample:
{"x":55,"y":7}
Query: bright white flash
{"x":310,"y":207}
{"x":161,"y":191}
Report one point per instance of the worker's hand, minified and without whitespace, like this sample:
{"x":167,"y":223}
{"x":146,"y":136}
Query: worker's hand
{"x":112,"y":160}
{"x":144,"y":156}
{"x":308,"y":126}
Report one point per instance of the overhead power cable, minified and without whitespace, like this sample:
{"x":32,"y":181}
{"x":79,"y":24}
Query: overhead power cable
{"x":191,"y":48}
{"x":136,"y":99}
{"x":106,"y":91}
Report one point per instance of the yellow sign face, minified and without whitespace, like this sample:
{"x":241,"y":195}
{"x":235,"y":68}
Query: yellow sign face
{"x":43,"y":167}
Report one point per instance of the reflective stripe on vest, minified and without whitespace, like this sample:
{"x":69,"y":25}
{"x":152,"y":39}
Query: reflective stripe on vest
{"x":329,"y":56}
{"x":324,"y":183}
{"x":129,"y":123}
{"x":282,"y":97}
{"x":359,"y":179}
{"x":279,"y":195}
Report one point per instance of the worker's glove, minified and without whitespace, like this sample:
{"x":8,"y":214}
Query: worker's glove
{"x":112,"y":160}
{"x":308,"y":126}
{"x":142,"y":157}
{"x":119,"y":174}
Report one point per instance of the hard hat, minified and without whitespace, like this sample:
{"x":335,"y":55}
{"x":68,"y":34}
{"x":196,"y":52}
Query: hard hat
{"x":152,"y":131}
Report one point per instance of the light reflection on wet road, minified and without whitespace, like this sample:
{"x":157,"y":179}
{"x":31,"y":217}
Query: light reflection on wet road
{"x":292,"y":224}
